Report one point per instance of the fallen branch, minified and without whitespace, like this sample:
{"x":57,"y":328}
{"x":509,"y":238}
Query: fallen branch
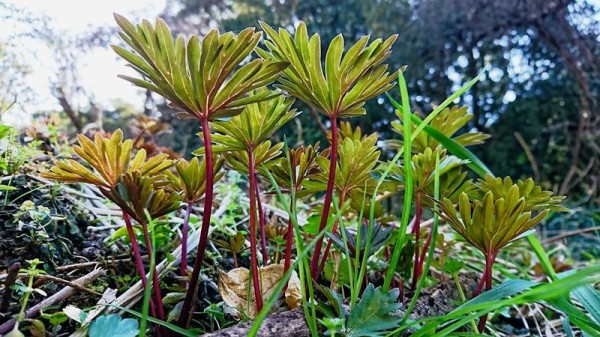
{"x":109,"y":296}
{"x":43,"y":278}
{"x":576,"y":232}
{"x":63,"y":294}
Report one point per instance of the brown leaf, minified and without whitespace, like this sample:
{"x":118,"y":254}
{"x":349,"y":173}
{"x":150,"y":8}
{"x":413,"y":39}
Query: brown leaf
{"x":234,"y":287}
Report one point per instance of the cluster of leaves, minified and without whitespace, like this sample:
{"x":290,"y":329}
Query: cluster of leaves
{"x":134,"y":184}
{"x":199,"y":78}
{"x":504,"y":214}
{"x":372,"y":316}
{"x":239,"y":115}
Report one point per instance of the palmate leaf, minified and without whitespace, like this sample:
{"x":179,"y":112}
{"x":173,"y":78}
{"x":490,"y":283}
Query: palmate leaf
{"x":372,"y":316}
{"x":114,"y":326}
{"x":535,"y":198}
{"x":256,"y":124}
{"x":423,"y":166}
{"x":345,"y":130}
{"x":380,"y":237}
{"x":502,"y":216}
{"x":134,"y":184}
{"x":200,"y":77}
{"x":346,"y":82}
{"x":190,"y":177}
{"x":263,"y":153}
{"x":108,"y":157}
{"x":301,"y":165}
{"x":357,"y":158}
{"x":453,"y":179}
{"x":452,"y":145}
{"x":149,"y":166}
{"x":137,"y":193}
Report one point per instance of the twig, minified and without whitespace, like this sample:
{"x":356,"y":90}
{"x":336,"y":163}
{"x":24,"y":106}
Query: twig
{"x":530,"y":156}
{"x":77,"y":266}
{"x":571,"y":233}
{"x":63,"y":294}
{"x":13,"y":272}
{"x":42,"y":278}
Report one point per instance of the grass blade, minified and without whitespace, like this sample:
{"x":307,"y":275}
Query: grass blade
{"x":301,"y":257}
{"x":408,"y":185}
{"x":431,"y":251}
{"x":549,"y":292}
{"x":450,"y":144}
{"x":167,"y":325}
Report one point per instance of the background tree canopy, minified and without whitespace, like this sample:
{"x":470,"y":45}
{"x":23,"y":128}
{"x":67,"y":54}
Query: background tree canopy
{"x":538,"y":59}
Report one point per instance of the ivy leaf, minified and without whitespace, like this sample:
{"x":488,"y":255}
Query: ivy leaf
{"x":372,"y":316}
{"x":114,"y":326}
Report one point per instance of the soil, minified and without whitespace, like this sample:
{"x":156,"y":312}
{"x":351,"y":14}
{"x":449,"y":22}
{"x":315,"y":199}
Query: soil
{"x":42,"y":221}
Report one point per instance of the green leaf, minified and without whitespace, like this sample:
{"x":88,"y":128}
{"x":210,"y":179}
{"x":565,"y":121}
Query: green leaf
{"x":509,"y":288}
{"x":172,"y":327}
{"x":256,"y":124}
{"x":372,"y":315}
{"x":550,"y":292}
{"x":450,"y":144}
{"x":590,"y":299}
{"x":456,"y":149}
{"x":113,"y":326}
{"x":202,"y":78}
{"x":5,"y":130}
{"x":341,"y":89}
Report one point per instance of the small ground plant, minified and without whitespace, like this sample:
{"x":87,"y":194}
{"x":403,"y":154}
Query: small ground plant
{"x":241,"y":95}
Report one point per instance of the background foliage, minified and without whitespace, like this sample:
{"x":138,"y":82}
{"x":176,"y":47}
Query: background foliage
{"x":537,"y":98}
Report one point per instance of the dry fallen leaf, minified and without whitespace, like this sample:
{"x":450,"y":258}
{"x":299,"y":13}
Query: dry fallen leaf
{"x":234,"y":287}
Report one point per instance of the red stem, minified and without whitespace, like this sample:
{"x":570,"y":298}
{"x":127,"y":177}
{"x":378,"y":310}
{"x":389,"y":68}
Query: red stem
{"x":187,"y":310}
{"x":288,"y":246}
{"x":480,"y":284}
{"x":329,"y":242}
{"x":417,"y":233}
{"x":424,"y":252}
{"x":139,"y":265}
{"x":490,"y":258}
{"x":261,"y":226}
{"x":184,"y":238}
{"x":155,"y":282}
{"x":328,"y":194}
{"x":253,"y":246}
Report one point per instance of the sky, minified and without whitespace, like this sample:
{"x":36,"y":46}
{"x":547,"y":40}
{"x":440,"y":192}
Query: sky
{"x":98,"y":69}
